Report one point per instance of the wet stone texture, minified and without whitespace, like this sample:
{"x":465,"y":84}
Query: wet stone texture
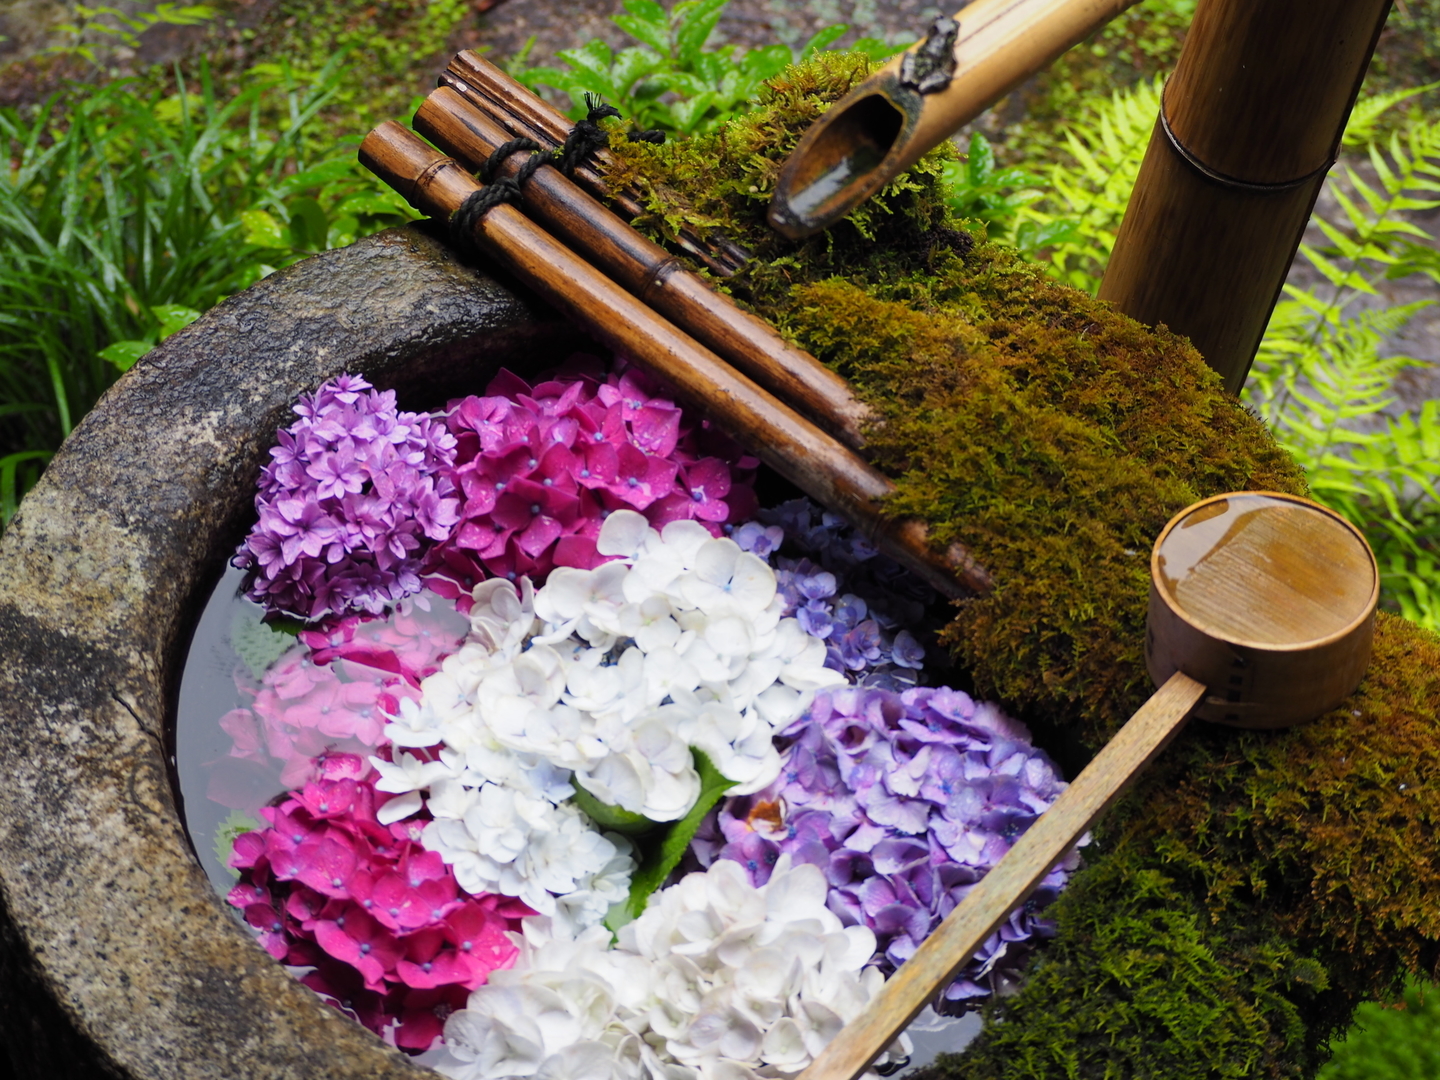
{"x":116,"y":958}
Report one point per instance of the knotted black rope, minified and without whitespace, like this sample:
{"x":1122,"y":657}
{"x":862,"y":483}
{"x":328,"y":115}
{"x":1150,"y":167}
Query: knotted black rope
{"x":584,"y":139}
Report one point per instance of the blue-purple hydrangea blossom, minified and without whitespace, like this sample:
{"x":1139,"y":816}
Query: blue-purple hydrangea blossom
{"x":904,"y":800}
{"x":349,"y":504}
{"x":845,"y":592}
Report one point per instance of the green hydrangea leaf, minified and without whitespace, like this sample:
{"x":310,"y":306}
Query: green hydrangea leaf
{"x":662,"y":858}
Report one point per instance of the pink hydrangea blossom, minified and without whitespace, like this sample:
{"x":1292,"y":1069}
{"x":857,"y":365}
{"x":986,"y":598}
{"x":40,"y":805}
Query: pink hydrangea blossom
{"x":539,"y":467}
{"x":334,"y":690}
{"x":391,"y":937}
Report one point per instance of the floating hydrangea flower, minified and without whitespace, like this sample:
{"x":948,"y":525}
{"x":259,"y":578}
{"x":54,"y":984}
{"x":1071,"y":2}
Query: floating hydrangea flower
{"x":380,"y":919}
{"x":614,"y":674}
{"x":334,"y":689}
{"x":843,"y":591}
{"x":904,"y":801}
{"x":350,"y":502}
{"x":719,"y":979}
{"x":539,"y":467}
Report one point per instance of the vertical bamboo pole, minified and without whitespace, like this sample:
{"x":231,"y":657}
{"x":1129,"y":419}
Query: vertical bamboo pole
{"x":1249,"y":125}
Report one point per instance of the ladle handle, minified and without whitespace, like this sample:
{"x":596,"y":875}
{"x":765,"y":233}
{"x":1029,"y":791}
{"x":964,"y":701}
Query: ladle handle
{"x":951,"y":945}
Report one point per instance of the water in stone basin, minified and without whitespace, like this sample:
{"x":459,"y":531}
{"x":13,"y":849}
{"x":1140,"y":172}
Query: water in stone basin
{"x":391,"y":794}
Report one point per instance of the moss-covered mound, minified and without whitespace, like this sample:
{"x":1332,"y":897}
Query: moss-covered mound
{"x":1254,"y":887}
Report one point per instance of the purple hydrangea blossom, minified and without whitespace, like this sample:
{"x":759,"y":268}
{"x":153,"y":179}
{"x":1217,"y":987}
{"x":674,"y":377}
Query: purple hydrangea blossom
{"x":351,"y":501}
{"x":904,"y":800}
{"x":844,"y":591}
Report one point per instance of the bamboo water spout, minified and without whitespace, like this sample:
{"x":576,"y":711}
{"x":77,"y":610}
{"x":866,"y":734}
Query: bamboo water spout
{"x":1262,"y":611}
{"x":814,"y":461}
{"x":920,"y":98}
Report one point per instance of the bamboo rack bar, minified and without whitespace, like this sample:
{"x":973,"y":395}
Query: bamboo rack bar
{"x":1248,"y":128}
{"x":815,"y":462}
{"x":650,"y":272}
{"x":920,"y":98}
{"x":525,"y":115}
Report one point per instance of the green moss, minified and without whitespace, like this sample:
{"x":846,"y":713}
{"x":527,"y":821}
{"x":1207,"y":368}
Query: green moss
{"x":1255,"y":886}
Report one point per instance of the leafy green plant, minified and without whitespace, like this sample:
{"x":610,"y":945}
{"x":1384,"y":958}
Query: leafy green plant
{"x":1321,"y":383}
{"x":1391,"y":1042}
{"x":1087,"y":188}
{"x":97,"y":30}
{"x":980,"y":190}
{"x":124,"y":216}
{"x":669,"y":82}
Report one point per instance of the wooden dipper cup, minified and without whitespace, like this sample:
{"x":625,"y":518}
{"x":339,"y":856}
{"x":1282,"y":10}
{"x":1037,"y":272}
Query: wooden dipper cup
{"x":1262,"y":610}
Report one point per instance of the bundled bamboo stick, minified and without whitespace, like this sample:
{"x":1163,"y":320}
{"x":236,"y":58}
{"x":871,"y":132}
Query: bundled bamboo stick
{"x":650,"y":272}
{"x":525,"y":115}
{"x":815,"y":462}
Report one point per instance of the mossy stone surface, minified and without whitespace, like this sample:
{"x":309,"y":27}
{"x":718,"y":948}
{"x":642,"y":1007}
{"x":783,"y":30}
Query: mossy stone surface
{"x":1254,"y":886}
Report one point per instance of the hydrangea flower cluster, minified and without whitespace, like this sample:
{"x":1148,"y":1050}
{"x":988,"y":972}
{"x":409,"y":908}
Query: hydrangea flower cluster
{"x":719,"y":979}
{"x":540,"y":467}
{"x":335,"y":688}
{"x":379,"y":919}
{"x":352,"y":497}
{"x":844,"y":592}
{"x":904,"y":801}
{"x":613,"y":674}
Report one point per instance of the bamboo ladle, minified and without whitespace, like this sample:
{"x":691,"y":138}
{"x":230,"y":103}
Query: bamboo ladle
{"x":1261,"y":616}
{"x":920,"y":98}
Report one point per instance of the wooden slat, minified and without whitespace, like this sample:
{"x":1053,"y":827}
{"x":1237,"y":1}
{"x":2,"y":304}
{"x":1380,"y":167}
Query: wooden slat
{"x":526,"y":115}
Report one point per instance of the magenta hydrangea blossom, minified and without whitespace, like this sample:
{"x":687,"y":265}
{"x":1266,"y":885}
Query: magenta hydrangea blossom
{"x":391,"y":937}
{"x":905,"y":800}
{"x":539,"y":467}
{"x":351,"y":501}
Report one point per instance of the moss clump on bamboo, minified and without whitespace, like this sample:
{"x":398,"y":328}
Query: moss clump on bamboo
{"x":1254,"y":887}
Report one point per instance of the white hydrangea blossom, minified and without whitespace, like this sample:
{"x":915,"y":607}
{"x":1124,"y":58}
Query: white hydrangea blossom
{"x":607,"y":677}
{"x":717,"y":980}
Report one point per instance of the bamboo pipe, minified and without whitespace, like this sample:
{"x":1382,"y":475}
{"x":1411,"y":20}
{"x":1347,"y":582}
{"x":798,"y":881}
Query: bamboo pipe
{"x":919,"y":99}
{"x":1249,"y":126}
{"x":526,"y":115}
{"x":1262,"y":610}
{"x":815,"y":462}
{"x":650,"y":272}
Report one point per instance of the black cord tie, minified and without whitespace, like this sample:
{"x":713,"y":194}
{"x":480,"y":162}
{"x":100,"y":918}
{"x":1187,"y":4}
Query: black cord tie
{"x":584,"y":139}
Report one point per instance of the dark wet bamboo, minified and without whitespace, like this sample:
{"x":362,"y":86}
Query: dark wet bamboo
{"x":815,"y":462}
{"x":650,"y":272}
{"x":526,"y":115}
{"x":904,"y":110}
{"x":1249,"y":125}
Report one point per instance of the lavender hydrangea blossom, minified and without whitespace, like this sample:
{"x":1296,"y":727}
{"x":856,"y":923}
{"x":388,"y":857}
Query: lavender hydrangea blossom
{"x":349,"y":504}
{"x":844,"y":592}
{"x":904,"y":800}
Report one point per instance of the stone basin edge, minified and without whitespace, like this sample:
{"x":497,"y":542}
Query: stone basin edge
{"x":116,"y":956}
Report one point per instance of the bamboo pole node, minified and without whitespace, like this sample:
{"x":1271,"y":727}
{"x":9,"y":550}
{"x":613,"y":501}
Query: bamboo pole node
{"x":1235,"y":183}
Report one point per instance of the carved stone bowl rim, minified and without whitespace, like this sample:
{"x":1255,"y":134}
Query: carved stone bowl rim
{"x":115,"y":952}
